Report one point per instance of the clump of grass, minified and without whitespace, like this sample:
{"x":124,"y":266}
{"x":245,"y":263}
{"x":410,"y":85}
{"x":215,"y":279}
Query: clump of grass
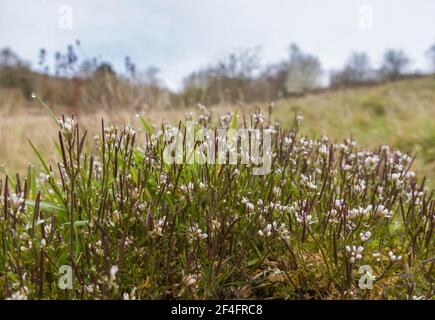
{"x":134,"y":227}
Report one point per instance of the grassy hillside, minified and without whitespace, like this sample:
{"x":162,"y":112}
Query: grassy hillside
{"x":400,"y":114}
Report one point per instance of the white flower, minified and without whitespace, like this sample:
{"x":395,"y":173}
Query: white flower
{"x":323,"y":149}
{"x":299,"y":119}
{"x":354,"y":252}
{"x":113,"y":271}
{"x":129,"y":131}
{"x":268,"y":230}
{"x":377,"y":255}
{"x":288,"y":141}
{"x":382,"y":211}
{"x":158,"y":229}
{"x":410,"y":174}
{"x":248,"y":205}
{"x":347,"y":167}
{"x":189,"y":280}
{"x":16,"y":199}
{"x":395,"y":176}
{"x":393,"y":257}
{"x":277,"y":191}
{"x":19,"y":295}
{"x":338,"y":203}
{"x":195,"y":233}
{"x":202,"y":186}
{"x":67,"y":124}
{"x":129,"y":296}
{"x":365,"y":236}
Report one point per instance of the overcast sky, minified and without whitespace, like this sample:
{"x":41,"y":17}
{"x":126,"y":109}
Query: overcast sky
{"x":181,"y":35}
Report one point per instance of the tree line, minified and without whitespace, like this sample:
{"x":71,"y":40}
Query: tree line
{"x":238,"y":77}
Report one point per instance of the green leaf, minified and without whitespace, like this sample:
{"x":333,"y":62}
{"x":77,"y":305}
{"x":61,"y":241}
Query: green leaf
{"x":44,"y":164}
{"x":48,"y":110}
{"x":234,"y":123}
{"x":80,"y":223}
{"x":31,"y":178}
{"x":146,"y":125}
{"x":48,"y":206}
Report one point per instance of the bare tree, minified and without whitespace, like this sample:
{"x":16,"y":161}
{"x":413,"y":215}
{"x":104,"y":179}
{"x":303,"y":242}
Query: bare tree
{"x":304,"y":71}
{"x":394,"y":63}
{"x":430,"y":53}
{"x":356,"y":71}
{"x":230,"y":79}
{"x":9,"y":58}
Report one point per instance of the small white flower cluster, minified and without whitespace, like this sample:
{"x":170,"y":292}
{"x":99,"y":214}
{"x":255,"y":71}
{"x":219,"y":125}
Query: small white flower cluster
{"x":110,"y":280}
{"x":361,"y":186}
{"x":226,"y":119}
{"x":129,"y":131}
{"x":202,"y":186}
{"x":393,"y":257}
{"x":195,"y":233}
{"x":187,"y":189}
{"x":163,"y":178}
{"x":45,"y":177}
{"x":346,"y":167}
{"x":190,"y":279}
{"x":131,"y":295}
{"x":323,"y":149}
{"x":277,"y":191}
{"x":371,"y":161}
{"x":258,"y":117}
{"x":29,"y":246}
{"x":267,"y":231}
{"x":354,"y":252}
{"x":204,"y":113}
{"x":16,"y":200}
{"x":396,"y":178}
{"x":377,"y":255}
{"x":158,"y":228}
{"x":110,"y":134}
{"x":287,"y":141}
{"x":215,"y":225}
{"x":98,"y":247}
{"x":339,"y":204}
{"x":20,"y":294}
{"x":303,"y":217}
{"x":382,"y":211}
{"x":357,"y":212}
{"x":299,"y":119}
{"x":280,"y":230}
{"x":248,"y":205}
{"x":67,"y":125}
{"x":414,"y":195}
{"x":365,"y":236}
{"x":306,"y":181}
{"x":113,"y":271}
